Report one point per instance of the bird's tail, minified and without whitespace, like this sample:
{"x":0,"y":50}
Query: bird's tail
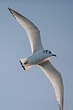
{"x":24,"y":63}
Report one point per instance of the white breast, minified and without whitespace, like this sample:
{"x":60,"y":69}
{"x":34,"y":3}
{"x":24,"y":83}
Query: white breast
{"x":37,"y":58}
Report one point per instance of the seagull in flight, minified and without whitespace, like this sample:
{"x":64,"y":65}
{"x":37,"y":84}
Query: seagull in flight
{"x":40,"y":56}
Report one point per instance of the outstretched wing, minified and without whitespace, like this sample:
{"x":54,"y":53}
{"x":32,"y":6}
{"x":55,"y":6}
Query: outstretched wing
{"x":32,"y":31}
{"x":55,"y":77}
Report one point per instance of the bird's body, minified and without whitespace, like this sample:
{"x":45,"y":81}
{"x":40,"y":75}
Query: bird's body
{"x":37,"y":58}
{"x":40,"y":56}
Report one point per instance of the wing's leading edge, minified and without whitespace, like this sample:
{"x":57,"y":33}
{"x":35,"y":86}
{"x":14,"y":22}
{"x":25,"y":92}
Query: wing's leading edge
{"x":32,"y":31}
{"x":55,"y":77}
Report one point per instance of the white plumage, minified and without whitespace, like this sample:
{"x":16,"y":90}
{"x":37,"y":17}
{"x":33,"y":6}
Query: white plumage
{"x":32,"y":31}
{"x":40,"y":56}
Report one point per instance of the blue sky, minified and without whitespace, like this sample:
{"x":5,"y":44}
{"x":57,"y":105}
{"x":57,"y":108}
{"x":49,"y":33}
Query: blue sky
{"x":24,"y":90}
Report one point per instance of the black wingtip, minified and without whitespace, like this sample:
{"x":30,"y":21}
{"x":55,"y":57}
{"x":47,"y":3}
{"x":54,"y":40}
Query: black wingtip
{"x":11,"y":11}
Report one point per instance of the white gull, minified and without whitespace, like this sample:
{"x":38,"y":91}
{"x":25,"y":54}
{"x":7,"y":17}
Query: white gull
{"x":40,"y":56}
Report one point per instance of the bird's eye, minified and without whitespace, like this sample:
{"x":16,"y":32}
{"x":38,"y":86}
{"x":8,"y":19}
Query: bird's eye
{"x":49,"y":52}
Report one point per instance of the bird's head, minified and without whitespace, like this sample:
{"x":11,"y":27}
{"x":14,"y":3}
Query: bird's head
{"x":48,"y":53}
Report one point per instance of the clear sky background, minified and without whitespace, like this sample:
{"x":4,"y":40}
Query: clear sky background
{"x":31,"y":90}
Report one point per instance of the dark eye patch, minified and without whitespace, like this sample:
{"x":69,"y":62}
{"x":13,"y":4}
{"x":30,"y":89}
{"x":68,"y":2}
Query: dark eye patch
{"x":49,"y":52}
{"x":45,"y":51}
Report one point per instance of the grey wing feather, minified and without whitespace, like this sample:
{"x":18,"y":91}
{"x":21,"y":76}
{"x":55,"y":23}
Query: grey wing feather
{"x":55,"y":77}
{"x":32,"y":31}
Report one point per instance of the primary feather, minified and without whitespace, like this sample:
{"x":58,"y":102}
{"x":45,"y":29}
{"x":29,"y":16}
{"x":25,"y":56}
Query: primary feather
{"x":32,"y":31}
{"x":55,"y":78}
